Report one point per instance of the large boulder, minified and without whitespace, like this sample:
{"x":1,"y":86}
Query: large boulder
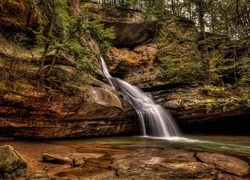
{"x":11,"y":163}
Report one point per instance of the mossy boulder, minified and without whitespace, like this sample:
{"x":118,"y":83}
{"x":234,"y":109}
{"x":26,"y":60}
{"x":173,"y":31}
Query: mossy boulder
{"x":11,"y":163}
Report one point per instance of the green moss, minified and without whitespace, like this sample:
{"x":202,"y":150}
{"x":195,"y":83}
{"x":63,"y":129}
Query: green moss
{"x":67,"y":82}
{"x":230,"y":107}
{"x":245,"y":96}
{"x":21,"y":85}
{"x":217,"y":91}
{"x":4,"y":163}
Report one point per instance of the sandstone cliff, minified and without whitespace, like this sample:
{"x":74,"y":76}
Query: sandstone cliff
{"x":169,"y":62}
{"x":69,"y":103}
{"x":151,"y":54}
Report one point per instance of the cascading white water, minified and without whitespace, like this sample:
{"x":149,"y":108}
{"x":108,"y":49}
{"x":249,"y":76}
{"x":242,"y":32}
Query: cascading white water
{"x":155,"y":120}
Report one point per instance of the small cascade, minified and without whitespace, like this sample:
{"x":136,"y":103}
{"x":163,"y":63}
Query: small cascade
{"x":154,"y":119}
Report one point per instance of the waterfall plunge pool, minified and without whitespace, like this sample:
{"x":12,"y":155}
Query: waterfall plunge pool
{"x":109,"y":147}
{"x":234,"y":145}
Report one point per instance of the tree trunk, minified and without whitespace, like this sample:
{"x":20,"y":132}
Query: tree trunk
{"x":46,"y":48}
{"x":54,"y":60}
{"x":45,"y":51}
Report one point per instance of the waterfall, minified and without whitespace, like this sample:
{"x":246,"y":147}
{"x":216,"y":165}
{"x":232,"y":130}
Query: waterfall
{"x":155,"y":120}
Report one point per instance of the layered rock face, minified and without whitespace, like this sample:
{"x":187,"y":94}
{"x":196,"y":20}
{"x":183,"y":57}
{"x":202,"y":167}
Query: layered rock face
{"x":71,"y":104}
{"x":170,"y":64}
{"x":144,"y":50}
{"x":33,"y":113}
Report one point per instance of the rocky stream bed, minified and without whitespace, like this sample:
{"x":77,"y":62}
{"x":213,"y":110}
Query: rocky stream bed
{"x":132,"y":158}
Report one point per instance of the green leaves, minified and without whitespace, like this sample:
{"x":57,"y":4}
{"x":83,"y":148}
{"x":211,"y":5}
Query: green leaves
{"x":101,"y":35}
{"x":178,"y":57}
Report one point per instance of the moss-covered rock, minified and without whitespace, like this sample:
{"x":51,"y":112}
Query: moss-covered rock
{"x":12,"y":164}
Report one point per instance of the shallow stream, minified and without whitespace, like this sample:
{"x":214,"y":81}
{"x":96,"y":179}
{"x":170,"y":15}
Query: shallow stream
{"x":230,"y":145}
{"x":101,"y":149}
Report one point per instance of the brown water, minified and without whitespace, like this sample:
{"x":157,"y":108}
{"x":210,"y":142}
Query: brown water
{"x":32,"y":151}
{"x":238,"y":146}
{"x":231,"y":145}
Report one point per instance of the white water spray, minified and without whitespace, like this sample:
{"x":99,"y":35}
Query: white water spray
{"x":155,"y":120}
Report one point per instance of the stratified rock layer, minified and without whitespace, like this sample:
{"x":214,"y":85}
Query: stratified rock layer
{"x":170,"y":66}
{"x":68,"y":104}
{"x":33,"y":113}
{"x":63,"y":107}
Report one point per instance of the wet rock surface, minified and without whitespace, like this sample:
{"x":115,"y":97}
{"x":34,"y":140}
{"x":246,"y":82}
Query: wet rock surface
{"x":226,"y":164}
{"x":107,"y":159}
{"x":38,"y":175}
{"x":175,"y":164}
{"x":196,"y":112}
{"x":56,"y":159}
{"x":12,"y":163}
{"x":36,"y":110}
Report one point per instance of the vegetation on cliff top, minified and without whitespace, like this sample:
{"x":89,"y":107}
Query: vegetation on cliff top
{"x":58,"y":30}
{"x":211,"y":47}
{"x":55,"y":39}
{"x":216,"y":54}
{"x":223,"y":34}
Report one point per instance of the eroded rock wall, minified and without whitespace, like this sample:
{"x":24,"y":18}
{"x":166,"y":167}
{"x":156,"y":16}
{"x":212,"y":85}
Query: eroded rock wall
{"x":71,"y":103}
{"x":144,"y":51}
{"x":170,"y":65}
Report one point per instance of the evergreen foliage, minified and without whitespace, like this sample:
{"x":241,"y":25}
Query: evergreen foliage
{"x":101,"y":35}
{"x":220,"y":57}
{"x":179,"y":59}
{"x":54,"y":26}
{"x":60,"y":32}
{"x":222,"y":61}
